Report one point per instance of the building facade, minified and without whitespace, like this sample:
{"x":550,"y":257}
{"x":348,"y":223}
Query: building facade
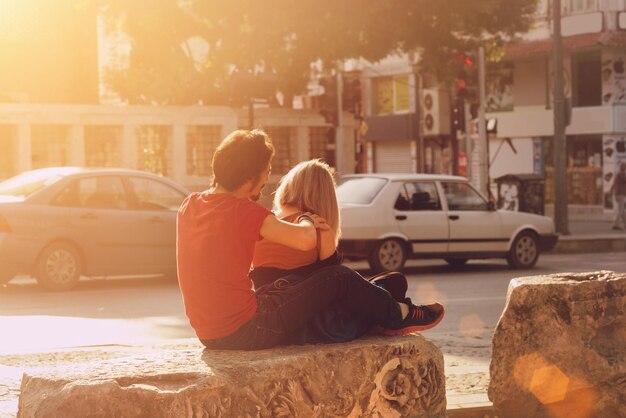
{"x":175,"y":142}
{"x":520,"y":98}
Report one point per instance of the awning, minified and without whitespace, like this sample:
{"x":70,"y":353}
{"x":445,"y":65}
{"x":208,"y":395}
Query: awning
{"x":389,"y":127}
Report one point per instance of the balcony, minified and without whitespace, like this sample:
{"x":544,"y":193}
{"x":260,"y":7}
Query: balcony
{"x":537,"y":121}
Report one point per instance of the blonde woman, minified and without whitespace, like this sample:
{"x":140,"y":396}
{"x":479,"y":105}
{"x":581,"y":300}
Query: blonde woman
{"x":309,"y":187}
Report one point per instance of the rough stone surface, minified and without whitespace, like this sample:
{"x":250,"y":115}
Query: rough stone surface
{"x":374,"y":376}
{"x":559,"y":349}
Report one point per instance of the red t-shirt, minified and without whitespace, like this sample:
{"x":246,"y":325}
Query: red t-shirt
{"x":216,"y":234}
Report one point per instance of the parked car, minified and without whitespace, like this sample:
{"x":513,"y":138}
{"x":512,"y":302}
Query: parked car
{"x":389,"y":218}
{"x":57,"y":224}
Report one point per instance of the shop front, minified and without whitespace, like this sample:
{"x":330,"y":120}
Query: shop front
{"x":585,"y":164}
{"x":391,"y":143}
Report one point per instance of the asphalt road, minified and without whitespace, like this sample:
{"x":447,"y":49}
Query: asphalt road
{"x":140,"y":311}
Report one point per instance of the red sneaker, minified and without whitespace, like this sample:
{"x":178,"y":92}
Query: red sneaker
{"x":419,"y":318}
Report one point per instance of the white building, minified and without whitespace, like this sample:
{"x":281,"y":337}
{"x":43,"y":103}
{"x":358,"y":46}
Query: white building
{"x":594,"y":41}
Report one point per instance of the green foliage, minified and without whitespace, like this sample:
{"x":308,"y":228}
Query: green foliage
{"x":286,"y":36}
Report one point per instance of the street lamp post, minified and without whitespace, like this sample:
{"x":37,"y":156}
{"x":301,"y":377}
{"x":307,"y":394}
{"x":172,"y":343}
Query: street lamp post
{"x":560,"y":146}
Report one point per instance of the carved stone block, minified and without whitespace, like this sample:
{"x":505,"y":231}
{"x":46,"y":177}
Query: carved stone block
{"x":369,"y":377}
{"x":559,"y":349}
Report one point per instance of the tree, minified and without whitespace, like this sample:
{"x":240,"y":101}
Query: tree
{"x":285,"y":37}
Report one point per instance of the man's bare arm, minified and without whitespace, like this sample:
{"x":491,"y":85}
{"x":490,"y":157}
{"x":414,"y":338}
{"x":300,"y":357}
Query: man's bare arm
{"x":301,"y":236}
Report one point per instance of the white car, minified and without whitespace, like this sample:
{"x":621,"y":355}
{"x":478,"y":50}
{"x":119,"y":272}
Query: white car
{"x":388,"y":218}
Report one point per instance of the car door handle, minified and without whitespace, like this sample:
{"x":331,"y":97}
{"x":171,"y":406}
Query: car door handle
{"x":453,"y":217}
{"x":401,"y":217}
{"x":89,"y":216}
{"x":155,"y":219}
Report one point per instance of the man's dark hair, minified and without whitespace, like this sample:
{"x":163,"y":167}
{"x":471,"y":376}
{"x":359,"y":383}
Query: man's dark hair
{"x":242,"y":155}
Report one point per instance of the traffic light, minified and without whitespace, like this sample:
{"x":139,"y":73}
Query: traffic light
{"x":467,"y":78}
{"x":458,"y":115}
{"x":328,"y":100}
{"x":351,"y":98}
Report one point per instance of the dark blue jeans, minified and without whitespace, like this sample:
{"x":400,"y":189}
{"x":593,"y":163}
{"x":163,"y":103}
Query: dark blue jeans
{"x":286,"y":307}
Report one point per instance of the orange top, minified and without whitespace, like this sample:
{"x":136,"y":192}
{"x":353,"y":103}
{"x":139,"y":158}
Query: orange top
{"x":270,"y":254}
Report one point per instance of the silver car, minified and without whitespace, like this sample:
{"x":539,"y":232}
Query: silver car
{"x":57,"y":224}
{"x":389,"y":218}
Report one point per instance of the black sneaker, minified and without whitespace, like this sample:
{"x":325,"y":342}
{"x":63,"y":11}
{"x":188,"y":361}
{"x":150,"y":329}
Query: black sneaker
{"x":420,"y":318}
{"x":393,"y":282}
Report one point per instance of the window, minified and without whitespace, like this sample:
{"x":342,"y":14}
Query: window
{"x":8,"y":135}
{"x":579,"y":6}
{"x":50,"y":147}
{"x":461,"y":196}
{"x":25,"y":184}
{"x":103,"y":146}
{"x":281,"y":139}
{"x":587,"y":80}
{"x":154,"y":195}
{"x":106,"y":192}
{"x":153,"y":143}
{"x":320,"y":138}
{"x":202,"y":141}
{"x":359,"y":190}
{"x":392,"y":95}
{"x":418,"y":196}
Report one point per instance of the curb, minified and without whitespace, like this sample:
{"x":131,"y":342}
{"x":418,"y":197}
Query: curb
{"x":589,"y":244}
{"x":471,"y":412}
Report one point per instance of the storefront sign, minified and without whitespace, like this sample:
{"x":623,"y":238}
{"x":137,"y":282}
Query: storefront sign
{"x":614,"y":153}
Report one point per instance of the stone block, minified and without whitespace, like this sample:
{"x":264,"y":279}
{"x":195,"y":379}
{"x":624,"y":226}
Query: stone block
{"x":559,"y":348}
{"x":370,"y":377}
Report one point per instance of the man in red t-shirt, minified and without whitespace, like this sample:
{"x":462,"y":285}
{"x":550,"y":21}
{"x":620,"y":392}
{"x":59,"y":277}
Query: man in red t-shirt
{"x":216,"y":233}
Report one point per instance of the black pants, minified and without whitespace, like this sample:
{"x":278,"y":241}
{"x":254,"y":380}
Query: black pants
{"x":286,"y":307}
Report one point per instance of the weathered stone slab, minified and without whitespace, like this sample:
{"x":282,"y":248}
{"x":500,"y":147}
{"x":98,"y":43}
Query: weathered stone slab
{"x":559,"y":349}
{"x":369,"y":377}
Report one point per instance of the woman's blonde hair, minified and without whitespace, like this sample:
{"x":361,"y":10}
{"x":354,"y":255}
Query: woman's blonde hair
{"x":310,"y":186}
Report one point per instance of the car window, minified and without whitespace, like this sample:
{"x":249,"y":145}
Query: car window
{"x":155,"y":195}
{"x":418,"y":196}
{"x":106,"y":192}
{"x":25,"y":184}
{"x":461,"y":196}
{"x":360,"y":190}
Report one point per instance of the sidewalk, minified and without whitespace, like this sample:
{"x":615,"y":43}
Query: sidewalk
{"x":591,"y":237}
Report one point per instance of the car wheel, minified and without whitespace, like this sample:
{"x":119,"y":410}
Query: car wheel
{"x":456,"y":262}
{"x":59,"y":267}
{"x":388,"y":255}
{"x":524,"y":252}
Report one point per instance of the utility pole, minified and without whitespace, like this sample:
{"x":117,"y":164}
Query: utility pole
{"x":339,"y":140}
{"x":419,"y":119}
{"x":560,"y":146}
{"x":482,"y":125}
